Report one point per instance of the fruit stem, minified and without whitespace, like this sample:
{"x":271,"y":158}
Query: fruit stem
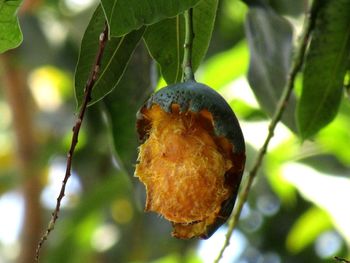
{"x":189,"y":35}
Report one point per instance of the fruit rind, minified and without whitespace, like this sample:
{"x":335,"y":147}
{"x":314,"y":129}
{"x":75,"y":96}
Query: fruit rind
{"x":193,"y":96}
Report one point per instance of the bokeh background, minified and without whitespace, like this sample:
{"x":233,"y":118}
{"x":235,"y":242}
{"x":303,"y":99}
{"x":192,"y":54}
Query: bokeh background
{"x":298,"y":208}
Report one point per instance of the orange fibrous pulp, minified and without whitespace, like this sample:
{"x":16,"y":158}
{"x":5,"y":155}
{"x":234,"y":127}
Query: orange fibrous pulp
{"x":184,"y":165}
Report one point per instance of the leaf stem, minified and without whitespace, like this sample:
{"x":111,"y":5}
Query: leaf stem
{"x":87,"y":98}
{"x":189,"y":35}
{"x":295,"y":68}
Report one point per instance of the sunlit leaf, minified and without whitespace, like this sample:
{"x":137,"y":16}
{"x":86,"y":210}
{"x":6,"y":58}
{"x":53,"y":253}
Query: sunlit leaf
{"x":336,"y":136}
{"x":231,"y":18}
{"x":270,"y":44}
{"x":347,"y":82}
{"x":165,"y":40}
{"x":226,"y":66}
{"x":114,"y":61}
{"x":127,"y":15}
{"x":325,"y":67}
{"x":246,"y":112}
{"x":10,"y":32}
{"x":307,"y":228}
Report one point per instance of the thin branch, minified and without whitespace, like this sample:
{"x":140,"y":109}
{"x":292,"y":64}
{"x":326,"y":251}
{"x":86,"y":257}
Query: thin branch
{"x":87,"y":98}
{"x":295,"y":68}
{"x":189,"y":35}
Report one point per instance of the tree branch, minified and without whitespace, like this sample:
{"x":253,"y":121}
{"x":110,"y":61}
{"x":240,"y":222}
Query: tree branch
{"x":295,"y":68}
{"x":87,"y":98}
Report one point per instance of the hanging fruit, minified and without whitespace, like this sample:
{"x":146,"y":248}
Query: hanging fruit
{"x":191,"y":159}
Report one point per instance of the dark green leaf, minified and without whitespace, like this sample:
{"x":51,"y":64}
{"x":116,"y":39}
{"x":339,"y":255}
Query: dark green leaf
{"x":10,"y":32}
{"x":325,"y":67}
{"x":204,"y":15}
{"x":270,"y":44}
{"x":165,"y":40}
{"x":123,"y":103}
{"x":168,"y":53}
{"x":127,"y":15}
{"x":116,"y":56}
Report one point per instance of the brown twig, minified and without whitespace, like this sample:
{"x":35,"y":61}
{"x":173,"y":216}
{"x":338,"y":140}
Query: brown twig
{"x":87,"y":98}
{"x":295,"y":68}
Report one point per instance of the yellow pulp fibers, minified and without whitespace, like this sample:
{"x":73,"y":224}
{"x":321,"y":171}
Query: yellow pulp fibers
{"x":183,"y":169}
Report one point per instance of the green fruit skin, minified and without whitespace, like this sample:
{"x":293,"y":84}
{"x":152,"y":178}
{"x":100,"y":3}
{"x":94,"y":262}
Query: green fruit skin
{"x":193,"y":96}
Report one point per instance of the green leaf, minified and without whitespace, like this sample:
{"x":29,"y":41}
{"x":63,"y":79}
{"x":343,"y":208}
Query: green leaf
{"x":127,"y":15}
{"x":10,"y":32}
{"x":204,"y":15}
{"x":336,"y":135}
{"x":124,"y":102}
{"x":226,"y":66}
{"x":325,"y":68}
{"x":169,"y":53}
{"x":116,"y":56}
{"x":270,"y":44}
{"x":307,"y":228}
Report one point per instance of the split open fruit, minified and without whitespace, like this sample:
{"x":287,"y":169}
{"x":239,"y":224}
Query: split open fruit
{"x":191,"y":158}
